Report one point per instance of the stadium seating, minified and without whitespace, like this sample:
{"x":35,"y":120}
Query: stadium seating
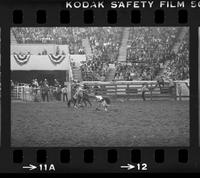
{"x":45,"y":35}
{"x":149,"y":49}
{"x":178,"y":67}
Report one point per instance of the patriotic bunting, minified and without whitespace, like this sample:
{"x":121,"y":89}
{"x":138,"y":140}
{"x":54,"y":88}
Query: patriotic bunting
{"x":56,"y":59}
{"x":22,"y":59}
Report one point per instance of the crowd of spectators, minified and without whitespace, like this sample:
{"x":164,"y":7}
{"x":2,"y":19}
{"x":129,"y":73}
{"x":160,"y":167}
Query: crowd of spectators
{"x":150,"y":42}
{"x":94,"y":69}
{"x":55,"y":35}
{"x":104,"y":40}
{"x":104,"y":43}
{"x":57,"y":52}
{"x":133,"y":71}
{"x":43,"y":52}
{"x":178,"y":66}
{"x":148,"y":49}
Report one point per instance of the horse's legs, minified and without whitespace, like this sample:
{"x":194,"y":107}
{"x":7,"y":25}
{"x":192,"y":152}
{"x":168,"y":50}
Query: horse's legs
{"x":88,"y":100}
{"x":80,"y":100}
{"x":69,"y":103}
{"x":74,"y":101}
{"x":85,"y":102}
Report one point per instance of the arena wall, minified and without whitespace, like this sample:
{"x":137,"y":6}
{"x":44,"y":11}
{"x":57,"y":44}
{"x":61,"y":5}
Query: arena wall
{"x":132,"y":89}
{"x":121,"y":90}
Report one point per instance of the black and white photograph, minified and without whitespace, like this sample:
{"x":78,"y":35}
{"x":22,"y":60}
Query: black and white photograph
{"x":99,"y":86}
{"x":199,"y":78}
{"x":0,"y":86}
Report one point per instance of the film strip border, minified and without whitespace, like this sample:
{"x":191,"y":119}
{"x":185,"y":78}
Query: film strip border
{"x":112,"y":17}
{"x":98,"y":159}
{"x":104,"y":160}
{"x":42,"y":14}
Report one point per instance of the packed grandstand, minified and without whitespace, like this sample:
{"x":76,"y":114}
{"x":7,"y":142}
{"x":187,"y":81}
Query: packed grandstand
{"x":147,"y":52}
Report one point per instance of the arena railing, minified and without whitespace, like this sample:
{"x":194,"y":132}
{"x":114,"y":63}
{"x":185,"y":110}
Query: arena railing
{"x":133,"y":89}
{"x":115,"y":89}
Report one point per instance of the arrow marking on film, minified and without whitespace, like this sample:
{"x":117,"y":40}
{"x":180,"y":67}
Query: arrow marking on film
{"x":30,"y":167}
{"x":128,"y":167}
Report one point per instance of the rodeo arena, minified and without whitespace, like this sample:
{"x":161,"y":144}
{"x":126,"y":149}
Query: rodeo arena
{"x":99,"y":86}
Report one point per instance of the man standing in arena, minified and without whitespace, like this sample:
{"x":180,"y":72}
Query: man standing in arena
{"x":143,"y":90}
{"x":45,"y":90}
{"x":179,"y":89}
{"x":171,"y":86}
{"x":59,"y":93}
{"x":64,"y":93}
{"x":35,"y":85}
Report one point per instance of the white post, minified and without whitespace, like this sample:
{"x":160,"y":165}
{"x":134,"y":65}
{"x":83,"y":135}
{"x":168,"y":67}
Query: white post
{"x":69,"y":90}
{"x":17,"y":89}
{"x":69,"y":80}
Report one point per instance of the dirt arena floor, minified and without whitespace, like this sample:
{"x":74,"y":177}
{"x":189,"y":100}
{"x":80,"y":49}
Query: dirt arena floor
{"x":128,"y":123}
